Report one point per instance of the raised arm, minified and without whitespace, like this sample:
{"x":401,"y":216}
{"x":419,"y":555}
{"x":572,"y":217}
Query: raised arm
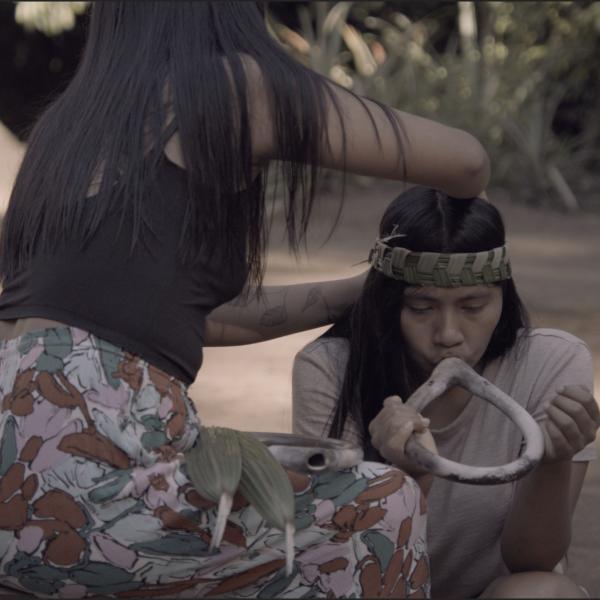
{"x":435,"y":155}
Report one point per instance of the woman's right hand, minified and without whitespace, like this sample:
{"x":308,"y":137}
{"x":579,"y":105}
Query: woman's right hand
{"x":390,"y":431}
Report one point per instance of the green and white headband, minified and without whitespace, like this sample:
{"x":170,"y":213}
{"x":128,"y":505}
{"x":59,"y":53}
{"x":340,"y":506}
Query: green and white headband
{"x":439,"y":269}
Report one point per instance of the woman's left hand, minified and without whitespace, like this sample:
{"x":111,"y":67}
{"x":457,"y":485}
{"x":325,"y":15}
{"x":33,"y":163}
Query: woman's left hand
{"x":572,"y":423}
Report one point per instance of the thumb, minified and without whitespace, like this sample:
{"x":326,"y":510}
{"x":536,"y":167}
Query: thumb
{"x":422,"y":424}
{"x":392,"y":400}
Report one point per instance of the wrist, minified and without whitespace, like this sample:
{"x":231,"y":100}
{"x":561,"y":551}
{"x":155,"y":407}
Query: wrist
{"x":547,"y":461}
{"x":553,"y":465}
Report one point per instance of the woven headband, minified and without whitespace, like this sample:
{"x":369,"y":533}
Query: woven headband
{"x":440,"y":270}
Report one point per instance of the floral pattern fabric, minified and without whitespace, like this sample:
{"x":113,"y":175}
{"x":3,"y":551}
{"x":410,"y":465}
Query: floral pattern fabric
{"x":95,"y":499}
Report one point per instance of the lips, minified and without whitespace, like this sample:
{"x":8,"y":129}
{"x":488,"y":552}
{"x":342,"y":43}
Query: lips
{"x":445,"y":356}
{"x":441,"y":357}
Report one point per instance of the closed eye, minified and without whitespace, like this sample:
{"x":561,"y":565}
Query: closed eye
{"x":419,"y":310}
{"x":473,"y":309}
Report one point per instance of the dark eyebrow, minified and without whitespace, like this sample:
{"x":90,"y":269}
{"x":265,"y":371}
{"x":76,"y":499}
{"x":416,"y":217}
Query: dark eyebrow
{"x":475,"y":296}
{"x":483,"y":295}
{"x":417,"y":296}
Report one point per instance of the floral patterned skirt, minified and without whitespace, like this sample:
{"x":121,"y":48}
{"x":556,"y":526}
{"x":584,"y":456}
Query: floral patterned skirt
{"x":94,"y":501}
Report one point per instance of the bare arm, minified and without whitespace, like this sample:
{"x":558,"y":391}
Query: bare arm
{"x":435,"y":155}
{"x":537,"y":532}
{"x":280,"y":310}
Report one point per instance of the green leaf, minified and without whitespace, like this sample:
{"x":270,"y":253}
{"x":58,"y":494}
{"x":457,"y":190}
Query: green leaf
{"x":58,"y":342}
{"x":380,"y":546}
{"x":335,"y":487}
{"x":39,"y":585}
{"x":303,"y":521}
{"x":153,"y":439}
{"x":173,"y":544}
{"x":27,"y":342}
{"x":20,"y":563}
{"x":95,"y":572}
{"x":303,"y":501}
{"x":152,"y":422}
{"x":115,"y":588}
{"x":8,"y":446}
{"x":278,"y":584}
{"x":109,"y":361}
{"x":112,"y":488}
{"x":46,"y":573}
{"x":46,"y":362}
{"x":351,"y":492}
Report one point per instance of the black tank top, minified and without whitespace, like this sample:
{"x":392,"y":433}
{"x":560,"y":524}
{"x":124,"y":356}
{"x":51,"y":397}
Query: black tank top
{"x":149,"y":303}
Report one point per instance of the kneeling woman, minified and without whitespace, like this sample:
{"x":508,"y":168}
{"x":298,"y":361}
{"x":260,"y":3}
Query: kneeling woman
{"x":499,"y":540}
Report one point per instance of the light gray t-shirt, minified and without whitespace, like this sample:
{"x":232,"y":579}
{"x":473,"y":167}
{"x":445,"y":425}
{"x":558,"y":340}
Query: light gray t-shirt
{"x":464,"y":522}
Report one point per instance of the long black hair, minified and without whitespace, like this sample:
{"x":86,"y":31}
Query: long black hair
{"x":379,"y":364}
{"x":144,"y":64}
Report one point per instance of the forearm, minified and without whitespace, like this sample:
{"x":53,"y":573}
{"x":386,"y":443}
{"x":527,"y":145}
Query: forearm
{"x":537,"y":531}
{"x":280,"y":310}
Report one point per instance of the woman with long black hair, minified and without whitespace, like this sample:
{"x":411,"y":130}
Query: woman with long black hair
{"x":135,"y":235}
{"x":440,"y":286}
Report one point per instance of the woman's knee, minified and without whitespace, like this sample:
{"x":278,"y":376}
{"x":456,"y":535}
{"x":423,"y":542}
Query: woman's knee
{"x":533,"y":584}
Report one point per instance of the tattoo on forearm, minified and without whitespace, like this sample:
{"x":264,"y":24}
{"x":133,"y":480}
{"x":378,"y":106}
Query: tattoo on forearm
{"x":314,"y":296}
{"x":275,"y":315}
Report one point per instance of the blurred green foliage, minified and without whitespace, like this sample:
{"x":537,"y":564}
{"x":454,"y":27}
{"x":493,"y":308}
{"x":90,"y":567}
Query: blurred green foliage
{"x":521,"y":76}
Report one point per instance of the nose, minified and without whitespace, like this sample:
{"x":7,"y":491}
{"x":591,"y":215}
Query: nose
{"x":448,"y":333}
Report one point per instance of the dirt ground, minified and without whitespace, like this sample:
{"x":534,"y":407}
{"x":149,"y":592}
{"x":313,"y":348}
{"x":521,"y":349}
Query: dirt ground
{"x":555,"y":267}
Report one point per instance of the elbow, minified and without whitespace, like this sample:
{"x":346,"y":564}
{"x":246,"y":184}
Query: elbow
{"x":476,"y":170}
{"x":471,"y":175}
{"x":480,"y":173}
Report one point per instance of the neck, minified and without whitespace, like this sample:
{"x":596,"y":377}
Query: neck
{"x":446,"y":408}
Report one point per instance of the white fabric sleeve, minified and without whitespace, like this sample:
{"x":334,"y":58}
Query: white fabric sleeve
{"x":317,"y":380}
{"x":557,"y":360}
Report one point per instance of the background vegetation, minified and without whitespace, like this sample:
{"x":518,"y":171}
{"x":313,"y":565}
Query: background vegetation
{"x":521,"y":76}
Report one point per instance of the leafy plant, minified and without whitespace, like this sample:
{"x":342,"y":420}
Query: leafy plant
{"x":503,"y":70}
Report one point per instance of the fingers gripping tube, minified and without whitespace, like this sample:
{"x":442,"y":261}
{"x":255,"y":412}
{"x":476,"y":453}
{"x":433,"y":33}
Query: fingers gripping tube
{"x":451,"y":372}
